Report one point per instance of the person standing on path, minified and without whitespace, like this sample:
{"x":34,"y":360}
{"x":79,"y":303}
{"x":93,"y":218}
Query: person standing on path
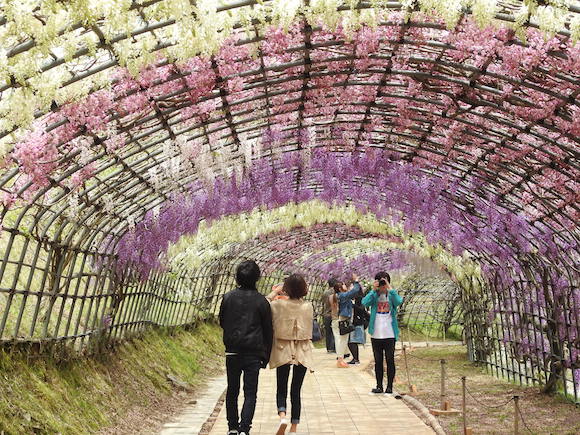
{"x":383,"y":327}
{"x":341,"y":302}
{"x":246,"y":319}
{"x":360,"y":321}
{"x":292,"y":347}
{"x":327,"y":316}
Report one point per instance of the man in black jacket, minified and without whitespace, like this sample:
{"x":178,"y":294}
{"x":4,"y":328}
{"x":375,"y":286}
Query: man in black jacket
{"x":246,"y":319}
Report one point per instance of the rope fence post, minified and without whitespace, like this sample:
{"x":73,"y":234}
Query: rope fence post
{"x":445,"y":406}
{"x":466,"y":430}
{"x":412,"y":388}
{"x":516,"y":416}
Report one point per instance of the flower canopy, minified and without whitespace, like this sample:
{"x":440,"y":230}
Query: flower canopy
{"x":154,"y":138}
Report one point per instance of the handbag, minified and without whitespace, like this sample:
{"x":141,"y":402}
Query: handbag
{"x":367,"y":320}
{"x":345,"y":327}
{"x":316,"y":333}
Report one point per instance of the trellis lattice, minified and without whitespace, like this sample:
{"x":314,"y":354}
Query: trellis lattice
{"x":126,"y":125}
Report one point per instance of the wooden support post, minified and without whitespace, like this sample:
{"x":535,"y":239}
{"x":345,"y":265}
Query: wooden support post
{"x":516,"y":416}
{"x":445,"y":406}
{"x":466,"y":430}
{"x":443,"y":393}
{"x":412,"y":388}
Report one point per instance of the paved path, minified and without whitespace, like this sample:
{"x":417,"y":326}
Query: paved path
{"x":191,"y":420}
{"x":334,"y":402}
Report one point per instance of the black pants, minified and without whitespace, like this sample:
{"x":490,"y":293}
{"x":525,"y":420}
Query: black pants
{"x":386,"y":347}
{"x":353,"y":347}
{"x":282,"y":374}
{"x":249,"y":365}
{"x":329,"y":334}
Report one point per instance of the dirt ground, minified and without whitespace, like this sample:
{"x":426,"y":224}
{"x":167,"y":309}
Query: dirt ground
{"x":490,"y":408}
{"x":149,"y":419}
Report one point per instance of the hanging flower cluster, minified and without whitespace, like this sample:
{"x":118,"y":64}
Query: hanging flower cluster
{"x":365,"y":264}
{"x":399,"y":192}
{"x":335,"y":115}
{"x":35,"y":31}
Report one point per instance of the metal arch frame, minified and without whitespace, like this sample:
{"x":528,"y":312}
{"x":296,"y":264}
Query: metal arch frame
{"x":218,"y":121}
{"x":291,"y":78}
{"x":155,"y":301}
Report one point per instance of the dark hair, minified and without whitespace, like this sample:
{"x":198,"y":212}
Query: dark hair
{"x":383,"y":275}
{"x":247,"y":274}
{"x":295,"y":286}
{"x":332,"y":281}
{"x":337,"y":286}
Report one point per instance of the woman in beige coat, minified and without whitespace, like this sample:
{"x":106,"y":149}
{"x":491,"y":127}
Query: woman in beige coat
{"x":292,"y":347}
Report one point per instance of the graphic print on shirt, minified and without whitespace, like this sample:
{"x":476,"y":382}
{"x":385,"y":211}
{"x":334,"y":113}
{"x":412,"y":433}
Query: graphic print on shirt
{"x":383,"y":306}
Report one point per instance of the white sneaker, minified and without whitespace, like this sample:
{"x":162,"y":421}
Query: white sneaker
{"x":282,"y":427}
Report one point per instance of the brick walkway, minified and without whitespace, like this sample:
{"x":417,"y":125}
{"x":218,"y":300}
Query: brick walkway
{"x":334,"y":401}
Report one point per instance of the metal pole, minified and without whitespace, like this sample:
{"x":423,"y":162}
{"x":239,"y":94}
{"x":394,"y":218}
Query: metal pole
{"x":516,"y":412}
{"x":443,"y":384}
{"x":463,"y":405}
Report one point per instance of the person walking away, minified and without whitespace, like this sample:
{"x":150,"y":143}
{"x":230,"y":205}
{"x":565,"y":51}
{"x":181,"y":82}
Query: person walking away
{"x":341,"y":301}
{"x":360,"y":321}
{"x":327,"y":316}
{"x":383,"y":301}
{"x":246,"y":319}
{"x":292,"y":347}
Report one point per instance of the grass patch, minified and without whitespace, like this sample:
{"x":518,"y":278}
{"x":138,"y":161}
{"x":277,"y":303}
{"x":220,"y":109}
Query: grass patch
{"x":544,"y":414}
{"x":417,"y":335}
{"x":41,"y":395}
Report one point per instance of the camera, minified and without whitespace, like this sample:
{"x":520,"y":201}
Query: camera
{"x":382,"y":282}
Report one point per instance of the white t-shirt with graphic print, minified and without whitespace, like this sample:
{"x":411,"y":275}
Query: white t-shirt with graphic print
{"x":383,"y":319}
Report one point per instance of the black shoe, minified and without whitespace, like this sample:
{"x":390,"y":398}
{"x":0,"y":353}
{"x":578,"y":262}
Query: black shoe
{"x":377,"y":390}
{"x":389,"y":390}
{"x":346,"y":355}
{"x":354,"y":362}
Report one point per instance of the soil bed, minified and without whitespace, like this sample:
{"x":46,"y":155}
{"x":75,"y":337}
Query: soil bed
{"x":542,"y":413}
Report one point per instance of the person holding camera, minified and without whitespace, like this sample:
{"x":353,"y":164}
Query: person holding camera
{"x":341,"y":301}
{"x":292,"y":347}
{"x":383,"y":301}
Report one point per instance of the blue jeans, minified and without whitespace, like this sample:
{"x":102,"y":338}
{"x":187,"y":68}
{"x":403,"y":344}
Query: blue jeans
{"x":282,"y":375}
{"x":249,"y":365}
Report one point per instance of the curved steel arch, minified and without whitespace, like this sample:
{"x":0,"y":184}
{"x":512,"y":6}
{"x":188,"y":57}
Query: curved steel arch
{"x":68,"y":255}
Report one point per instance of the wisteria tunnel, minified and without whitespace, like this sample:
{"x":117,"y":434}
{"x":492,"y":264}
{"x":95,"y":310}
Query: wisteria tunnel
{"x":147,"y":146}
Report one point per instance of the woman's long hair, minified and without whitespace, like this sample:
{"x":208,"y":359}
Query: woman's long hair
{"x":337,"y":287}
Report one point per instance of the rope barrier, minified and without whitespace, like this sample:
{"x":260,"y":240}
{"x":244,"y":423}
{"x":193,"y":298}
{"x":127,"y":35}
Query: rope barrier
{"x":462,"y":385}
{"x":457,"y":383}
{"x":423,"y":358}
{"x":484,"y":404}
{"x":524,"y":421}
